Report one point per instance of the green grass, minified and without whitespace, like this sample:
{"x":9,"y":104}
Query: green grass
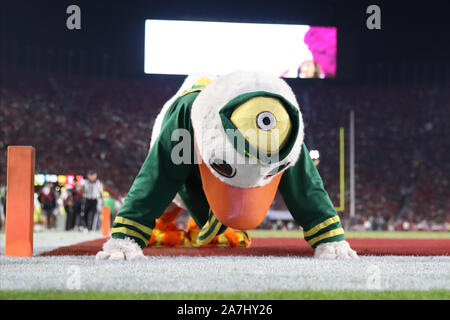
{"x":239,"y":295}
{"x":355,"y":234}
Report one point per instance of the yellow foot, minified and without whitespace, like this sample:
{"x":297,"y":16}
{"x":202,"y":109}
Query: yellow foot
{"x":169,"y":238}
{"x":230,"y":238}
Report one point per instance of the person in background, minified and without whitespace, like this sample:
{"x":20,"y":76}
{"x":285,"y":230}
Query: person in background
{"x":2,"y":207}
{"x":47,"y":198}
{"x":92,"y":192}
{"x":77,"y":196}
{"x":315,"y":156}
{"x":68,"y":207}
{"x":37,"y":214}
{"x":111,"y":203}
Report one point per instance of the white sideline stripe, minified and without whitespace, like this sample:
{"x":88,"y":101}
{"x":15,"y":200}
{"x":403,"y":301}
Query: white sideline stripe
{"x":225,"y":274}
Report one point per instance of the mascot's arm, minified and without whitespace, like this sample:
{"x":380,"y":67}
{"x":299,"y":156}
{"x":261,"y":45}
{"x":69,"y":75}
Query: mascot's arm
{"x":304,"y":194}
{"x":153,"y":189}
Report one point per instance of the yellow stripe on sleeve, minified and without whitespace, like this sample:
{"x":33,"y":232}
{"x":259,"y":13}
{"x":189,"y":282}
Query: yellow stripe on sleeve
{"x":326,"y":235}
{"x":208,"y":224}
{"x":211,"y":236}
{"x":320,"y":226}
{"x":130,"y":233}
{"x":133,"y":223}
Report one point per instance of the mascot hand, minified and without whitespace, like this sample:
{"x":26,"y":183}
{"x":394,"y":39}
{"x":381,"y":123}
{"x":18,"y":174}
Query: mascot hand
{"x":334,"y":250}
{"x":120,"y":249}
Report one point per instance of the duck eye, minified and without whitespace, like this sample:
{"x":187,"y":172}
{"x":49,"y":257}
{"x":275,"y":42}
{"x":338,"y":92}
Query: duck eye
{"x":266,"y":121}
{"x":223,"y":168}
{"x":277,"y":170}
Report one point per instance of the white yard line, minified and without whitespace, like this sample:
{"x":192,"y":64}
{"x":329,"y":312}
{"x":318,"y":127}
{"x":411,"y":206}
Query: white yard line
{"x":198,"y":274}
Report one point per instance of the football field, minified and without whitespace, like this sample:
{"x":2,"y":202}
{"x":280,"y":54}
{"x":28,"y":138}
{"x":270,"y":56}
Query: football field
{"x":225,"y":276}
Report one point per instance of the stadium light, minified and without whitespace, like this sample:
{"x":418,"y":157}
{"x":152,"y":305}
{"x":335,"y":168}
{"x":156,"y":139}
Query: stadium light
{"x":314,"y":154}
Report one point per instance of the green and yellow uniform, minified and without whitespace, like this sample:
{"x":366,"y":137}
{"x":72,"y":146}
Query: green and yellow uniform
{"x":159,"y":180}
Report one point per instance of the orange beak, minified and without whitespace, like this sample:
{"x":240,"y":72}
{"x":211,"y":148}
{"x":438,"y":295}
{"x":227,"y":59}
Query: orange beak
{"x":238,"y":208}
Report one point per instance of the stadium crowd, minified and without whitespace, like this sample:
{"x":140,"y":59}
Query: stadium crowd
{"x":402,"y":171}
{"x":402,"y":168}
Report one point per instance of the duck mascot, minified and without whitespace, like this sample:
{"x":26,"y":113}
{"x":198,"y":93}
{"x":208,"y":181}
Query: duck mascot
{"x":221,"y":148}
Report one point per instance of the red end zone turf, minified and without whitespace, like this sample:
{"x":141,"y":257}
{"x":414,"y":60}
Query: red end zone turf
{"x":280,"y":247}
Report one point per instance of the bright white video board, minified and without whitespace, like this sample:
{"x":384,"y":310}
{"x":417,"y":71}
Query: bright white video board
{"x":187,"y":47}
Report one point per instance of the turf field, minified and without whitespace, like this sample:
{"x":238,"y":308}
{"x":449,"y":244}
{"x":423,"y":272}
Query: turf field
{"x":356,"y":234}
{"x":239,"y":295}
{"x":226,"y":277}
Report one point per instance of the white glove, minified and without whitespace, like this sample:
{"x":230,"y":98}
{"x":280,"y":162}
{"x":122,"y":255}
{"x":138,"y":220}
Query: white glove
{"x":120,"y":249}
{"x":335,"y":250}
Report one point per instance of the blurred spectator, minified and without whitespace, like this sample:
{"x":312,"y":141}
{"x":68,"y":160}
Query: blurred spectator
{"x":92,"y":193}
{"x":2,"y":207}
{"x":47,"y":198}
{"x":77,"y":198}
{"x":69,"y":204}
{"x":111,"y":203}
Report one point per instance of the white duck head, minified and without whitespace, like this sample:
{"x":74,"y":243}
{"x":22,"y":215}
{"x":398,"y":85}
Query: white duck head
{"x":248,"y":130}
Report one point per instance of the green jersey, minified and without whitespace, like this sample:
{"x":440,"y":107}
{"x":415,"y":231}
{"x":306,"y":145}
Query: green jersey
{"x":160,"y":179}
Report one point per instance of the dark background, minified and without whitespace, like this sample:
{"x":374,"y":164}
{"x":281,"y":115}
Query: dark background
{"x":414,"y":34}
